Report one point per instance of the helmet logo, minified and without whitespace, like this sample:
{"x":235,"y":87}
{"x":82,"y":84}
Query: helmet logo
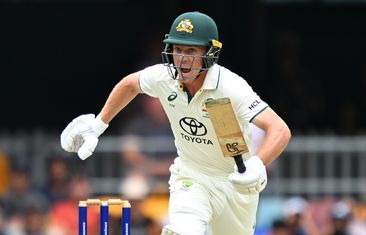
{"x":185,"y":25}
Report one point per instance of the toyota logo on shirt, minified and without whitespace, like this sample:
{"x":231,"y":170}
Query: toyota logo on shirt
{"x":192,"y":126}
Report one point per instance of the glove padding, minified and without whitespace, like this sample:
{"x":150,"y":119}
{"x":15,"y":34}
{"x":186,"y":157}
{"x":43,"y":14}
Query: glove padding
{"x":81,"y":135}
{"x":253,"y":180}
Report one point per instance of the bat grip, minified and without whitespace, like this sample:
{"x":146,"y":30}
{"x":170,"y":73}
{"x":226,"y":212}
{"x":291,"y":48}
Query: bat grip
{"x":240,"y":163}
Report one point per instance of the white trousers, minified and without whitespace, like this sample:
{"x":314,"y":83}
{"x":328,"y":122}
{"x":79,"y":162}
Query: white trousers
{"x":207,"y":205}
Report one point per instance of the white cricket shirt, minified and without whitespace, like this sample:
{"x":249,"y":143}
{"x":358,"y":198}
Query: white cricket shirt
{"x":195,"y":137}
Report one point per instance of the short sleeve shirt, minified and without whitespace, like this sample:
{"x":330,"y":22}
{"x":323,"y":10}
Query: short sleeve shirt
{"x":194,"y":135}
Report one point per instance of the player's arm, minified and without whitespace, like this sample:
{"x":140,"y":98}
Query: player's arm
{"x":125,"y":91}
{"x":276,"y":138}
{"x":254,"y":179}
{"x":81,"y":135}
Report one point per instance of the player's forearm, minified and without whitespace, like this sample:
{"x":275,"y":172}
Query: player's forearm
{"x":122,"y":94}
{"x":275,"y":141}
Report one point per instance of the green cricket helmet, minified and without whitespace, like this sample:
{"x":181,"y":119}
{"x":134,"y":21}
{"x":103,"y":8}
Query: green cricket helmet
{"x":192,"y":29}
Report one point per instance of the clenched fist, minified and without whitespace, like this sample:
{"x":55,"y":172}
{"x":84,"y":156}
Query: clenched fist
{"x":81,"y":135}
{"x":253,"y":180}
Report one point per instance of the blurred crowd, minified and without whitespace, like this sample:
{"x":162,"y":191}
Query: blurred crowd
{"x":53,"y":209}
{"x":318,"y":216}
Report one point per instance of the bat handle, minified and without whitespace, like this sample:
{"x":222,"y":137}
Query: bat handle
{"x":240,"y":163}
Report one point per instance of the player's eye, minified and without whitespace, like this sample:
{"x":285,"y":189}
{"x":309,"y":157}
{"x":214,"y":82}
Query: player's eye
{"x":178,"y":50}
{"x":192,"y":51}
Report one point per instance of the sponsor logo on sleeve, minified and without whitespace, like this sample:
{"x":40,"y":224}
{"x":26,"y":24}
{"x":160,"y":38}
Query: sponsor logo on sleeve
{"x":254,"y":104}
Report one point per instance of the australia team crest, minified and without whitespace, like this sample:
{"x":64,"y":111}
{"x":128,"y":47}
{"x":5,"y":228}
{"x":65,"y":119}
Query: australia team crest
{"x":185,"y":25}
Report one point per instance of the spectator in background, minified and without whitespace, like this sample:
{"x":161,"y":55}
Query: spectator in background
{"x":279,"y":227}
{"x":340,"y":218}
{"x":63,"y":215}
{"x":19,"y":199}
{"x":1,"y":220}
{"x":358,"y":223}
{"x":57,"y":180}
{"x":4,"y":174}
{"x":34,"y":222}
{"x":294,"y":210}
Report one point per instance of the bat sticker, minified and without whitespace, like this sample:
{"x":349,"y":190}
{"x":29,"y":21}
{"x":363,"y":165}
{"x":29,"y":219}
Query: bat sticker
{"x":232,"y":148}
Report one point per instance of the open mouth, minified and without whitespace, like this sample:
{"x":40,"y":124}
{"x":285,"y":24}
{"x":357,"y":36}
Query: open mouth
{"x":185,"y":70}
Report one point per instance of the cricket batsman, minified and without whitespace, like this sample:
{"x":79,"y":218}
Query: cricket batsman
{"x":208,"y":196}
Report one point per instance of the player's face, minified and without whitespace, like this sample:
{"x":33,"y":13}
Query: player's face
{"x":188,"y":60}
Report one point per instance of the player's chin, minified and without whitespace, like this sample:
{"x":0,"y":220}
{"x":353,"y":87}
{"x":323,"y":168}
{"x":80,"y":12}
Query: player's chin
{"x":188,"y":76}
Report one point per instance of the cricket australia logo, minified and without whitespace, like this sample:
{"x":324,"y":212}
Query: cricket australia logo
{"x":185,"y":25}
{"x":186,"y":185}
{"x":193,"y":131}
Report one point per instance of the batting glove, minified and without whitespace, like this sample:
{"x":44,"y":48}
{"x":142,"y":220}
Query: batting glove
{"x":81,"y":135}
{"x":253,"y":180}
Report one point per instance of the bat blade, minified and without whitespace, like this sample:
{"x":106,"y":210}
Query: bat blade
{"x":227,"y":129}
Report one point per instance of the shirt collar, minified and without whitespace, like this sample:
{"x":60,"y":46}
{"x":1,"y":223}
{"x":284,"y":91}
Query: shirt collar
{"x":212,"y":78}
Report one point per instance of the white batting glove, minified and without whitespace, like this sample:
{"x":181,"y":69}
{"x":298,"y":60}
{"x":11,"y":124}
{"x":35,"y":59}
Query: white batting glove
{"x":81,"y":135}
{"x":253,"y":180}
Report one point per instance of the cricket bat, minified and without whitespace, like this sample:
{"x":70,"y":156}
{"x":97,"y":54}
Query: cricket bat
{"x":227,"y":129}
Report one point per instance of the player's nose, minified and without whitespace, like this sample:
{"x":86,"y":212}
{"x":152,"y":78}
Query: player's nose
{"x":186,"y":59}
